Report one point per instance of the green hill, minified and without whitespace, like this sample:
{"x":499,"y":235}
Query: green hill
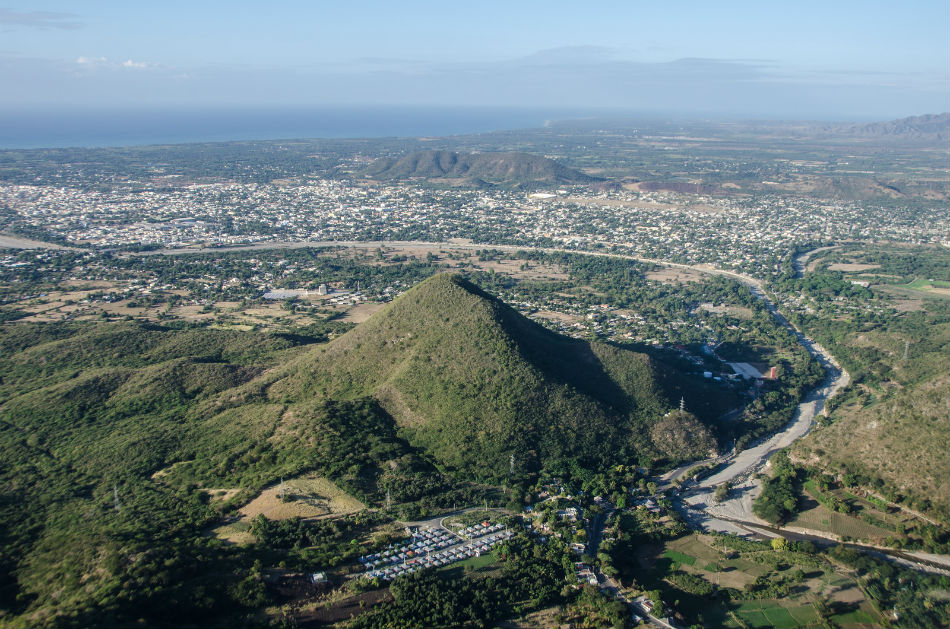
{"x":436,"y":390}
{"x":501,"y":168}
{"x":472,"y":382}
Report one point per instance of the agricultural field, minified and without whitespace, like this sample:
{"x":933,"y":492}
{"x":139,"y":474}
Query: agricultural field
{"x":767,"y":586}
{"x":940,"y":287}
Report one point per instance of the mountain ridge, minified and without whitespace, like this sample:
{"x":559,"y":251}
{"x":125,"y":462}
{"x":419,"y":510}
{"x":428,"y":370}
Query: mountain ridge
{"x":477,"y":169}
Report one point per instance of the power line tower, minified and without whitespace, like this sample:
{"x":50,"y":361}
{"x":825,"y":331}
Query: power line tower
{"x":906,"y":347}
{"x":115,"y":494}
{"x":283,"y":493}
{"x":682,"y":404}
{"x":389,"y":500}
{"x":511,"y":464}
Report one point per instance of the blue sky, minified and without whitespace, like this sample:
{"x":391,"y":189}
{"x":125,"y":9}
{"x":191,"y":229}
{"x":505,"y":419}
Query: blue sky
{"x":802,"y":59}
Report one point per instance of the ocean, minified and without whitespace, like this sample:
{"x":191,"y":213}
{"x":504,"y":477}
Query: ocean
{"x":99,"y":128}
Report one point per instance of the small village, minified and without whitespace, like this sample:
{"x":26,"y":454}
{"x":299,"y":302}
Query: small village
{"x":434,"y":548}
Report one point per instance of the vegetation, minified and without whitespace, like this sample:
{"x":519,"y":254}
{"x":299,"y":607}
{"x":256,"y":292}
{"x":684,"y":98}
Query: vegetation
{"x":892,"y":425}
{"x":910,"y":598}
{"x":532,"y":577}
{"x":779,"y":500}
{"x":480,"y":169}
{"x":472,"y":382}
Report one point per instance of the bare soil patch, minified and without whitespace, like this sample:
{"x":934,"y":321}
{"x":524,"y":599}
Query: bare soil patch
{"x":361,"y":312}
{"x":542,"y":619}
{"x":221,"y":495}
{"x":672,"y":274}
{"x":557,"y":316}
{"x":848,"y":595}
{"x":343,"y":609}
{"x":308,"y":496}
{"x":520,"y":270}
{"x":908,"y":305}
{"x":851,"y":266}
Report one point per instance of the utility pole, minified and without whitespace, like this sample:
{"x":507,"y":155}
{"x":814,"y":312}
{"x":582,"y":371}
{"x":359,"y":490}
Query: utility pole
{"x":906,"y":347}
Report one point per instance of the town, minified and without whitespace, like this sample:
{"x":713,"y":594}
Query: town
{"x":746,"y":234}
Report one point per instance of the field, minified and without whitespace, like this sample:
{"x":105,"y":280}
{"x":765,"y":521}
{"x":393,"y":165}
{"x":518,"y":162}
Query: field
{"x":673,"y":274}
{"x":935,"y":286}
{"x":704,"y":556}
{"x":308,"y":496}
{"x":819,"y":518}
{"x":852,"y":267}
{"x":484,"y":564}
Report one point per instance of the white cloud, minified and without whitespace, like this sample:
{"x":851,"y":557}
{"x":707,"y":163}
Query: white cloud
{"x":103,"y":62}
{"x":92,"y":61}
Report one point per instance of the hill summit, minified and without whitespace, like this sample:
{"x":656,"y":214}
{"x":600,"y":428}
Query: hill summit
{"x":503,"y":168}
{"x":472,"y":382}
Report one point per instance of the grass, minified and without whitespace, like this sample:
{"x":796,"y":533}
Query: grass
{"x":694,"y":547}
{"x":485,"y":564}
{"x":310,"y":496}
{"x":928,"y":285}
{"x":775,"y":614}
{"x":804,"y":614}
{"x":680,"y":558}
{"x":820,"y":518}
{"x":795,"y":610}
{"x":856,"y":617}
{"x":781,"y":618}
{"x":754,"y":618}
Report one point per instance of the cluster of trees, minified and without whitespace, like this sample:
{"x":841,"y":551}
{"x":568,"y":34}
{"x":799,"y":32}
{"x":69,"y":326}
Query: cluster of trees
{"x":911,"y":597}
{"x":779,"y":500}
{"x":328,"y":542}
{"x":531,"y":577}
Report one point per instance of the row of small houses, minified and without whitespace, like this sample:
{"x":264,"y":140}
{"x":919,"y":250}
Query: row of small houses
{"x":480,"y":529}
{"x":426,"y":541}
{"x":441,"y":558}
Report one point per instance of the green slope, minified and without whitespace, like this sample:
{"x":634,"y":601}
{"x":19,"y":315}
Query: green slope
{"x":472,"y":382}
{"x":444,"y":377}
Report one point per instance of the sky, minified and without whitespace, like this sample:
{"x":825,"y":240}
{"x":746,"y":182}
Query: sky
{"x":803,"y":59}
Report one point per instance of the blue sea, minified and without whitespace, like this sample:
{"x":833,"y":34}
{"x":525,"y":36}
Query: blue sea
{"x":89,"y":128}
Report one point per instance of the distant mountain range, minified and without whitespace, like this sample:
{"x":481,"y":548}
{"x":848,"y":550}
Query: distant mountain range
{"x":929,"y":127}
{"x":926,"y":129}
{"x":477,"y":169}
